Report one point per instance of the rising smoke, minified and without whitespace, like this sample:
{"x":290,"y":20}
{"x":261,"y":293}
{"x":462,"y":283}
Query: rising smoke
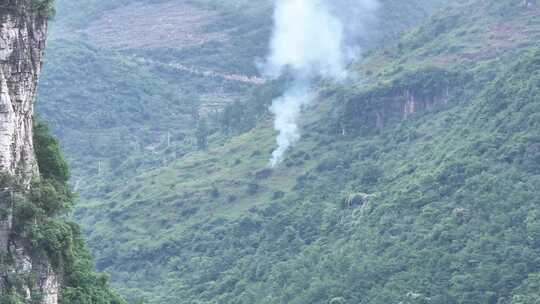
{"x":311,"y":39}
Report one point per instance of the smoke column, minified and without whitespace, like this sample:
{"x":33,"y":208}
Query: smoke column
{"x":311,"y":39}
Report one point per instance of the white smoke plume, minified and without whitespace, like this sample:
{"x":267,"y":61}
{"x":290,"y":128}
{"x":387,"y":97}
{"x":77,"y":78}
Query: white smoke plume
{"x":311,"y":39}
{"x":286,"y":110}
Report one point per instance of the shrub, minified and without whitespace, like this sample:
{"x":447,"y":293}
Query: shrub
{"x":369,"y":174}
{"x":37,"y":225}
{"x":328,"y":164}
{"x":214,"y":192}
{"x":252,"y":188}
{"x":52,"y":164}
{"x":278,"y":195}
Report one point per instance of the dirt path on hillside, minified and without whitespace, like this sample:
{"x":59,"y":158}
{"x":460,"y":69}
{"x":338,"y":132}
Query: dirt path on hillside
{"x":202,"y":72}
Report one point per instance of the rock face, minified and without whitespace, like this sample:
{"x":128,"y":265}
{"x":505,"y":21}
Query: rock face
{"x":22,"y":41}
{"x":360,"y":117}
{"x":410,"y":93}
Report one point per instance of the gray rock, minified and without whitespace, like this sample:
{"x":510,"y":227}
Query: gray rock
{"x":22,"y":41}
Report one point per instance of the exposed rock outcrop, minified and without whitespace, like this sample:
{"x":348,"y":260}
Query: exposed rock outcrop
{"x":357,"y":199}
{"x":411,"y":93}
{"x":22,"y":41}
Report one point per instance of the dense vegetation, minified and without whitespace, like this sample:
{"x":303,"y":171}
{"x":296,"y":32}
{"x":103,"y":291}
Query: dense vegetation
{"x":377,"y":203}
{"x":450,"y":216}
{"x":45,"y":7}
{"x":39,"y":223}
{"x":114,"y":110}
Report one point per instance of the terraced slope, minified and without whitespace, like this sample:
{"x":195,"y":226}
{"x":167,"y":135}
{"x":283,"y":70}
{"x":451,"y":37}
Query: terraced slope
{"x":142,"y":26}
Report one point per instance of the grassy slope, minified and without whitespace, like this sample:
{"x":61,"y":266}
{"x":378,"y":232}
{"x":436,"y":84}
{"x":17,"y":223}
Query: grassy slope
{"x":105,"y":106}
{"x":114,"y":111}
{"x":455,"y":210}
{"x":117,"y":110}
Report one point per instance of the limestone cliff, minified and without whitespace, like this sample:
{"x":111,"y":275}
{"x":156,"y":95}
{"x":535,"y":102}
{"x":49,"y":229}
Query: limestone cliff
{"x":22,"y":41}
{"x":411,"y":92}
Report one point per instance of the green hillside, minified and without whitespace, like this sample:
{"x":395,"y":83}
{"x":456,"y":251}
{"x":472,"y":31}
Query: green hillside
{"x":416,"y":183}
{"x":114,"y":108}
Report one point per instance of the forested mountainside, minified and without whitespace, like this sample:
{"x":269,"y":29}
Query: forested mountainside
{"x":125,"y":90}
{"x":416,"y":182}
{"x":43,"y":259}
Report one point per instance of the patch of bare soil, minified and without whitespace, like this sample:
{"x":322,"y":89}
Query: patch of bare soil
{"x":138,"y":25}
{"x":205,"y":72}
{"x":253,"y":80}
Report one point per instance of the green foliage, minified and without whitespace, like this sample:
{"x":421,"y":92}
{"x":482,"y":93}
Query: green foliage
{"x":45,"y":7}
{"x":448,"y":226}
{"x":52,"y":164}
{"x":529,"y":291}
{"x":453,"y":188}
{"x":38,"y":222}
{"x":122,"y":115}
{"x":83,"y":285}
{"x":452,"y":215}
{"x":202,"y":134}
{"x":242,"y":116}
{"x":11,"y":299}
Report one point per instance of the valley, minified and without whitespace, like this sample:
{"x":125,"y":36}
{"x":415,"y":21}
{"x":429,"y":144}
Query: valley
{"x":416,"y":181}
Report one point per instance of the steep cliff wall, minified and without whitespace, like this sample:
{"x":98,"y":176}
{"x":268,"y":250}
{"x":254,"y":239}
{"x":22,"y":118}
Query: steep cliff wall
{"x":22,"y":41}
{"x":398,"y":99}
